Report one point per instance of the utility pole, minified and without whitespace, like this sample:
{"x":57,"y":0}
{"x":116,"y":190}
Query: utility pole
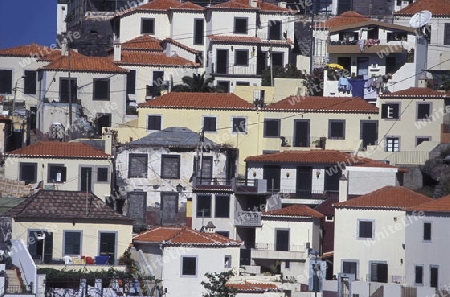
{"x":311,"y":48}
{"x":70,"y":89}
{"x":271,"y":66}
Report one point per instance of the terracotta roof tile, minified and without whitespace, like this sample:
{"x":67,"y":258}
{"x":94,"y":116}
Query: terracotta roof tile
{"x":371,"y":22}
{"x":60,"y":149}
{"x":56,"y":54}
{"x":51,"y":204}
{"x":436,"y":7}
{"x":388,"y":197}
{"x":435,"y":205}
{"x":25,"y":50}
{"x":416,"y":92}
{"x":169,"y":4}
{"x":190,"y":6}
{"x":144,"y":42}
{"x":324,"y":104}
{"x":346,"y":18}
{"x":157,"y":59}
{"x":182,"y":236}
{"x":379,"y":164}
{"x":85,"y":64}
{"x":179,"y":44}
{"x":253,"y":287}
{"x":244,"y":4}
{"x":187,"y":100}
{"x":296,"y":210}
{"x":233,"y":5}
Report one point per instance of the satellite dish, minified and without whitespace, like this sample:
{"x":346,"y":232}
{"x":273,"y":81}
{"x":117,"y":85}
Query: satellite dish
{"x":420,"y":19}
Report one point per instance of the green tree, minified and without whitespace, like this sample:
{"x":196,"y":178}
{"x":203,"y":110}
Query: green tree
{"x":215,"y":286}
{"x":196,"y":83}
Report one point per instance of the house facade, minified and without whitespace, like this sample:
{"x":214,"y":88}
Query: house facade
{"x":77,"y":224}
{"x":69,"y":166}
{"x":180,"y":257}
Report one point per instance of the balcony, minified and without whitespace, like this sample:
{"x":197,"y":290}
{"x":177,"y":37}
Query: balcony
{"x":249,"y":186}
{"x":247,"y":219}
{"x":307,"y":197}
{"x":231,"y":69}
{"x":274,"y":251}
{"x":211,"y":184}
{"x":239,"y":186}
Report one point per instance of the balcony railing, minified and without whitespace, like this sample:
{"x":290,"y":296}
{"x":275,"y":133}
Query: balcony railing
{"x":279,"y":247}
{"x":231,"y":69}
{"x":247,"y":218}
{"x":246,"y":186}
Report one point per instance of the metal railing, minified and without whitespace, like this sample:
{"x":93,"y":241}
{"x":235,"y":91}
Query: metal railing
{"x":247,"y":218}
{"x":279,"y":247}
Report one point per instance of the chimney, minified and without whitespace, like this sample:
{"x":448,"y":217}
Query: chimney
{"x":108,"y":141}
{"x":64,"y":47}
{"x":117,"y":51}
{"x":282,"y":4}
{"x":210,"y":228}
{"x":253,"y":3}
{"x":422,"y":82}
{"x":343,"y":188}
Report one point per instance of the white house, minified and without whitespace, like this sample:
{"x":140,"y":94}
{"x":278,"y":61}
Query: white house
{"x":373,"y":233}
{"x":180,"y":257}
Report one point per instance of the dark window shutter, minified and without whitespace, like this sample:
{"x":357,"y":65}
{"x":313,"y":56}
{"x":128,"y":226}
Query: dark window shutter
{"x":30,"y":82}
{"x":131,"y":82}
{"x":426,"y":231}
{"x":137,"y":166}
{"x":154,"y":123}
{"x":209,"y":124}
{"x":419,"y":275}
{"x":170,"y":166}
{"x":5,"y":81}
{"x":101,"y":89}
{"x":447,"y":34}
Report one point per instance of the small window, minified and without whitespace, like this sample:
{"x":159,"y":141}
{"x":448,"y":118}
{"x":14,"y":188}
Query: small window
{"x":227,"y":261}
{"x":379,"y":272}
{"x":420,"y":139}
{"x":418,"y":278}
{"x":189,"y":266}
{"x":241,"y":57}
{"x":277,"y":59}
{"x":447,"y":34}
{"x":434,"y":272}
{"x":336,"y":129}
{"x":131,"y":82}
{"x":101,"y":89}
{"x":329,"y":218}
{"x":170,"y":166}
{"x":392,"y":144}
{"x":198,"y":31}
{"x":28,"y":172}
{"x":203,"y":206}
{"x":209,"y":124}
{"x":5,"y":81}
{"x":427,"y":231}
{"x":29,"y":82}
{"x":239,"y":125}
{"x":137,"y":165}
{"x":154,"y":122}
{"x":56,"y":173}
{"x":222,"y":206}
{"x":240,"y":25}
{"x":423,"y":111}
{"x":390,"y":111}
{"x":349,"y":267}
{"x":242,"y":83}
{"x":224,"y":86}
{"x":72,"y":243}
{"x":271,"y":128}
{"x":274,"y":30}
{"x":365,"y":229}
{"x":102,"y":174}
{"x":148,"y":26}
{"x":64,"y":90}
{"x":287,"y":264}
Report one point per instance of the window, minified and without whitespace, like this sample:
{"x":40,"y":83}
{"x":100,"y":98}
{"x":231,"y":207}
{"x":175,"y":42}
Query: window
{"x":204,"y":174}
{"x":392,"y":144}
{"x":189,"y":266}
{"x":101,"y":89}
{"x":241,"y":57}
{"x":420,"y":139}
{"x":224,"y":86}
{"x":227,"y":261}
{"x":72,"y":242}
{"x":240,"y":26}
{"x":223,"y":233}
{"x":64,"y":90}
{"x":275,"y":30}
{"x":391,"y":64}
{"x":349,"y":267}
{"x":242,"y":83}
{"x":434,"y":271}
{"x":203,"y":206}
{"x":5,"y":81}
{"x":170,"y":166}
{"x":427,"y":231}
{"x":102,"y":120}
{"x":239,"y":125}
{"x":423,"y":111}
{"x":365,"y":229}
{"x":329,"y":218}
{"x":336,"y":129}
{"x":222,"y":206}
{"x":379,"y":272}
{"x":447,"y":34}
{"x":209,"y":124}
{"x":28,"y":172}
{"x":29,"y":82}
{"x":148,"y":26}
{"x":154,"y":122}
{"x":131,"y":82}
{"x":390,"y":111}
{"x":137,"y":165}
{"x":137,"y":206}
{"x":287,"y":264}
{"x":102,"y":174}
{"x":169,"y":208}
{"x":418,"y":275}
{"x":198,"y":31}
{"x":277,"y":59}
{"x":271,"y":127}
{"x":56,"y":173}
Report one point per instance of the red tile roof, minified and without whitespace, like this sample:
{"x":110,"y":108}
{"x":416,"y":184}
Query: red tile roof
{"x":253,"y":287}
{"x":179,"y":44}
{"x":296,"y":210}
{"x":156,"y":59}
{"x":247,"y":39}
{"x":388,"y":197}
{"x":323,"y":104}
{"x":190,"y":6}
{"x":346,"y":18}
{"x":144,"y":43}
{"x":233,"y":5}
{"x":379,"y":164}
{"x":85,"y":64}
{"x":244,"y":4}
{"x":416,"y":92}
{"x":56,"y":54}
{"x":435,"y":205}
{"x":183,"y":236}
{"x":26,"y":51}
{"x":53,"y":149}
{"x":438,"y":8}
{"x":169,"y":4}
{"x":50,"y":205}
{"x":225,"y":101}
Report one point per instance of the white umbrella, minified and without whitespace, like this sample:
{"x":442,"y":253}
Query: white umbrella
{"x":420,"y":19}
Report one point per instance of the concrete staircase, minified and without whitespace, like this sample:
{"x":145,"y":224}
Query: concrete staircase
{"x":13,"y":282}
